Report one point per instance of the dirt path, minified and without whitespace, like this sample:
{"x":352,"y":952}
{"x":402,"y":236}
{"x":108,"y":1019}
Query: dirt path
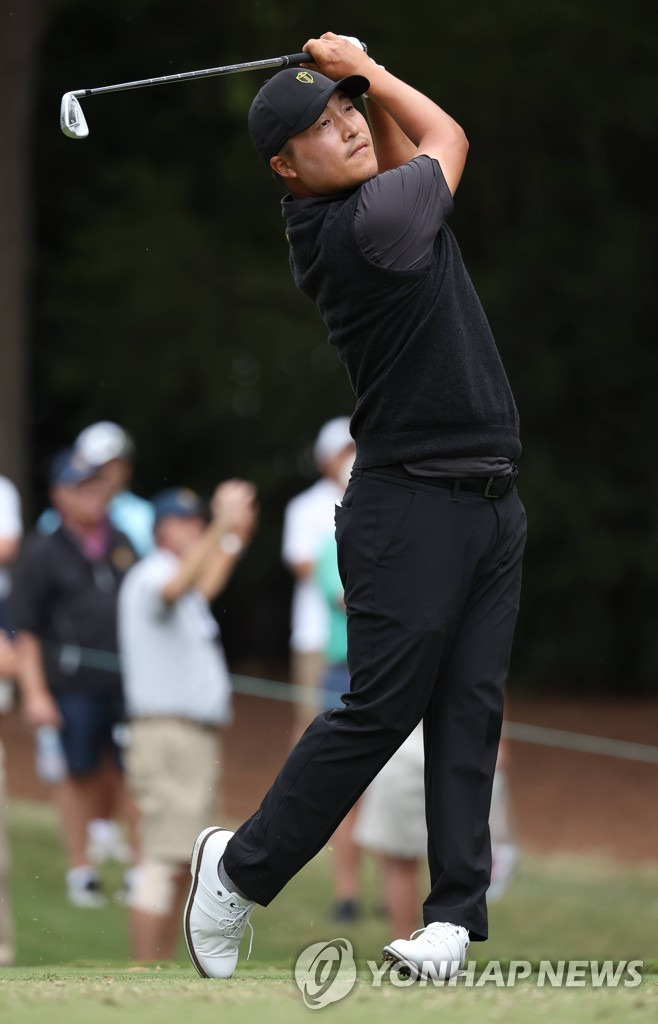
{"x":564,"y":801}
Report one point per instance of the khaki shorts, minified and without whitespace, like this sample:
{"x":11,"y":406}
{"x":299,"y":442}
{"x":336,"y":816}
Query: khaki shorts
{"x":306,"y":671}
{"x":173,"y":772}
{"x":391,"y":817}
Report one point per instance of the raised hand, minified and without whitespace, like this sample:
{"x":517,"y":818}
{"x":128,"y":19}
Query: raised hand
{"x":336,"y":57}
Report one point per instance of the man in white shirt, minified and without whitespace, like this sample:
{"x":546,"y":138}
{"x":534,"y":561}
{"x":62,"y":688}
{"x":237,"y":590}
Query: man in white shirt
{"x":11,"y":531}
{"x":177,"y":692}
{"x":308,"y":522}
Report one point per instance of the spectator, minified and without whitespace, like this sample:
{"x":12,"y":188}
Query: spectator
{"x":11,"y":531}
{"x":177,"y":692}
{"x":7,"y":671}
{"x":107,"y":447}
{"x":346,"y":854}
{"x":391,"y":823}
{"x":65,"y":615}
{"x":502,"y":824}
{"x":309,"y":520}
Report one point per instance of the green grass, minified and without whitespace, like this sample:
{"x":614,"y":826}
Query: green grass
{"x":76,"y":996}
{"x":73,"y":965}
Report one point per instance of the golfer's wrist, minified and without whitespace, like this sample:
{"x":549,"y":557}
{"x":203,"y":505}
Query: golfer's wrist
{"x":367,"y":95}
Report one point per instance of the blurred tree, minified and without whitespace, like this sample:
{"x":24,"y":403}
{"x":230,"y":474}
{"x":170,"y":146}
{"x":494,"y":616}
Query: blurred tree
{"x":20,"y":30}
{"x":163,"y":297}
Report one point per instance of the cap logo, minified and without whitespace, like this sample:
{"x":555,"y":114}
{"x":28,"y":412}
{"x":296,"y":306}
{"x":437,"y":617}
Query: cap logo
{"x":306,"y":77}
{"x":187,"y":498}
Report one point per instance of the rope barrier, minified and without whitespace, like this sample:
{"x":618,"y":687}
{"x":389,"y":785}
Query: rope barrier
{"x":268,"y":689}
{"x":580,"y":742}
{"x":536,"y":734}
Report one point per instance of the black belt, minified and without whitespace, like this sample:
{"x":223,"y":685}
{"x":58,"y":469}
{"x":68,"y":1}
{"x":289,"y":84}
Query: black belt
{"x":489,"y":487}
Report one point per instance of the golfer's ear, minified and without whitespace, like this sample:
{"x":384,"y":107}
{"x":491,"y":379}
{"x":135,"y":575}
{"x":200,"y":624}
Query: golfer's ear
{"x":280,"y":166}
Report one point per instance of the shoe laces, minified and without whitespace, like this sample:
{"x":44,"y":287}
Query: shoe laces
{"x":234,"y":921}
{"x":436,"y":932}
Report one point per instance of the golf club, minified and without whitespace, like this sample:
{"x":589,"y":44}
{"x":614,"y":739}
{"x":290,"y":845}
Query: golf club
{"x":73,"y":122}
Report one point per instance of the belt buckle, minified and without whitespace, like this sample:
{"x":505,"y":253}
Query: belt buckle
{"x":486,"y":493}
{"x":510,"y":481}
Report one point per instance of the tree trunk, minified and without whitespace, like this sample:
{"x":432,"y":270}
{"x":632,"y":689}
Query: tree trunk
{"x":20,"y":32}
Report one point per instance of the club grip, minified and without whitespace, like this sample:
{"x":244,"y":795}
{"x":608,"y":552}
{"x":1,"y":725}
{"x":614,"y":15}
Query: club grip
{"x":293,"y":59}
{"x":305,"y":58}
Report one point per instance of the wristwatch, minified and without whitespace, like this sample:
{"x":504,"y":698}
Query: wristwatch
{"x":231,"y":544}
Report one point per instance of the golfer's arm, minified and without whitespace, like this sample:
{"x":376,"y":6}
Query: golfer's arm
{"x":392,"y":146}
{"x":429,"y":129}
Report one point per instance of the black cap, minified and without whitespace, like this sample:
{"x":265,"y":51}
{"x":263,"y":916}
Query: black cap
{"x":290,"y":102}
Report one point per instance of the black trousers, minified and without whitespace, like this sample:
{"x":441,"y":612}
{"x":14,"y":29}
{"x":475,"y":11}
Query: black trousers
{"x":432,"y":581}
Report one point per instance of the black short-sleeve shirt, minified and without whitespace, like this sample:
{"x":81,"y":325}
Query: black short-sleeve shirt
{"x":70,"y":603}
{"x":387,"y":277}
{"x":401,"y":211}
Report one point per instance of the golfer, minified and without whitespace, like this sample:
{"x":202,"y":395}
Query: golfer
{"x":430,"y":530}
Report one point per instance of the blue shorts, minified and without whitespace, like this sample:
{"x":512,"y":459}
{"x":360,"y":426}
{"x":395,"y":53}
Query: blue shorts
{"x":5,"y":615}
{"x":336,"y":682}
{"x":87,"y":731}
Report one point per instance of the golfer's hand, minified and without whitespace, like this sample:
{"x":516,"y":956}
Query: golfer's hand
{"x":336,"y":57}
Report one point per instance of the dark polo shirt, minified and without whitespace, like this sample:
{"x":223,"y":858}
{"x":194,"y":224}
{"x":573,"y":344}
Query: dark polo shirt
{"x":389,"y":281}
{"x":70,"y":603}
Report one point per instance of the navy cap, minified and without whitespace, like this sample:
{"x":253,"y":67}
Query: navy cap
{"x":178,"y":501}
{"x":290,"y":102}
{"x":69,"y":468}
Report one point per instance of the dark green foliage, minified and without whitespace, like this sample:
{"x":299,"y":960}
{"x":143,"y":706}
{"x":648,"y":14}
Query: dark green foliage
{"x":163,"y":297}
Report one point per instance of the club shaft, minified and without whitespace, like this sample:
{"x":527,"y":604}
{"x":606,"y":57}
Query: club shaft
{"x":292,"y":60}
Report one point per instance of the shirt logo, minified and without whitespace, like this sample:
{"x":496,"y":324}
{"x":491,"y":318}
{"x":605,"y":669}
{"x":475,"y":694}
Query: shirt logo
{"x":122,"y":558}
{"x":306,"y":77}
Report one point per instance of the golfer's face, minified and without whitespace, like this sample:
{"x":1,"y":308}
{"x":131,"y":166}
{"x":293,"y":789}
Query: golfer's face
{"x":335,"y":153}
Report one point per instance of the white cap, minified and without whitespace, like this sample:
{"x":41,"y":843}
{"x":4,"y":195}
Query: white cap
{"x":334,"y":437}
{"x":102,"y":442}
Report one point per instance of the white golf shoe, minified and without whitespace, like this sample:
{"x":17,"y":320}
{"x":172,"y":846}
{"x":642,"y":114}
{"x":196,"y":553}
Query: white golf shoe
{"x":215,"y":919}
{"x":436,"y":951}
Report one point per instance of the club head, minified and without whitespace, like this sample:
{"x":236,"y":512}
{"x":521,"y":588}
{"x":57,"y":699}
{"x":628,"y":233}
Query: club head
{"x":72,"y":120}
